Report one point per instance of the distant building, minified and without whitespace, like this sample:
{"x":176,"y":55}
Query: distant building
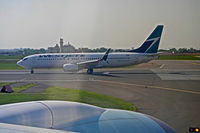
{"x":68,"y":48}
{"x":55,"y":49}
{"x":61,"y":45}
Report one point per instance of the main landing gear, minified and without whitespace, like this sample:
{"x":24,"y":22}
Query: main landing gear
{"x":90,"y":71}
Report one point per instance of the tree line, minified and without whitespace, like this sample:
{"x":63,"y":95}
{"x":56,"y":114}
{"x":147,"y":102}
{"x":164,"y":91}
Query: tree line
{"x":181,"y":50}
{"x":29,"y":51}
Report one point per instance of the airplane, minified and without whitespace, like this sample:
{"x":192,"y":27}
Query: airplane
{"x":73,"y":62}
{"x":64,"y":116}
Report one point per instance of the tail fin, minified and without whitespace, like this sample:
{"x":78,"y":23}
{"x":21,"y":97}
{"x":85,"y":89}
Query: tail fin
{"x":152,"y":42}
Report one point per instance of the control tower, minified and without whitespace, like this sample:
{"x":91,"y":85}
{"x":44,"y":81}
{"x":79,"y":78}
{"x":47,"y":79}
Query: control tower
{"x":61,"y":45}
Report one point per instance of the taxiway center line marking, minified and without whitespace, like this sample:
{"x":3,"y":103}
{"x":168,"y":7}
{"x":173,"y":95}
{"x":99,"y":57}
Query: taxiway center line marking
{"x":162,"y":66}
{"x":149,"y":86}
{"x":190,"y":62}
{"x":194,"y":63}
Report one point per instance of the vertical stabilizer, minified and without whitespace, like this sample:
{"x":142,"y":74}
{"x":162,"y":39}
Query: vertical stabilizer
{"x":151,"y":44}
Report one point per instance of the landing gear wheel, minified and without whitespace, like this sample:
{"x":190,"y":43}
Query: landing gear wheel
{"x":90,"y":71}
{"x":32,"y":71}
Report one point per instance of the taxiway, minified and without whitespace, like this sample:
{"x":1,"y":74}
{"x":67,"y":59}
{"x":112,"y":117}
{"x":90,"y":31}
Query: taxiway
{"x":168,"y":90}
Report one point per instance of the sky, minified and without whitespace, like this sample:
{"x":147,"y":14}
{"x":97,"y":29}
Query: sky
{"x":113,"y":24}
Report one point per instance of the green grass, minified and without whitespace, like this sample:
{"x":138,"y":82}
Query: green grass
{"x":9,"y":65}
{"x":23,"y":87}
{"x":66,"y":94}
{"x":59,"y":93}
{"x":18,"y":97}
{"x":4,"y":83}
{"x":11,"y":57}
{"x":178,"y":57}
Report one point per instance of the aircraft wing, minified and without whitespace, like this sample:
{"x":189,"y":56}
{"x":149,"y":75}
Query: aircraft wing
{"x":64,"y":116}
{"x":93,"y":63}
{"x":13,"y":128}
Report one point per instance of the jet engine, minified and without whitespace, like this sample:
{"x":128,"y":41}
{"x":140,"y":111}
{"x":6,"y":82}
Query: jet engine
{"x":70,"y":67}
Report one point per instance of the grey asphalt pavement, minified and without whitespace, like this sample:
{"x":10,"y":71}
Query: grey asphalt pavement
{"x":168,"y":90}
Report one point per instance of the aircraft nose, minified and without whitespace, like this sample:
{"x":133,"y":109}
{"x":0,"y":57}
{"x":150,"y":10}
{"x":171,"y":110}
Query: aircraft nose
{"x":19,"y":63}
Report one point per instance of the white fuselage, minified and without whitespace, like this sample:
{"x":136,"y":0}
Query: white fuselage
{"x":57,"y":60}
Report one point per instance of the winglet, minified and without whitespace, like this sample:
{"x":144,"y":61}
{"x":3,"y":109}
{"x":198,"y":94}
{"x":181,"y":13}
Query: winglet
{"x":106,"y":55}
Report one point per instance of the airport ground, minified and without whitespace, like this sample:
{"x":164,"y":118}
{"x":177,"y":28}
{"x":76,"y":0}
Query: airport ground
{"x":166,"y":89}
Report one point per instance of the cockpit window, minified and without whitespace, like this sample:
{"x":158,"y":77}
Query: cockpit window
{"x":24,"y":59}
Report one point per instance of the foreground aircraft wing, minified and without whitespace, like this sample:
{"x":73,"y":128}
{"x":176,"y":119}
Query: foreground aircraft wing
{"x":93,"y":63}
{"x":13,"y":128}
{"x":46,"y":116}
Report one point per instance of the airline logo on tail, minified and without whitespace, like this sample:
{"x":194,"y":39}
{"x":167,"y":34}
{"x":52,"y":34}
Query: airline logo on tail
{"x":152,"y":42}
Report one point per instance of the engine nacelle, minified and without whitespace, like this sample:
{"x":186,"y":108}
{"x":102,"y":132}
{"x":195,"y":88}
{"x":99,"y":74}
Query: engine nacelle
{"x":79,"y":117}
{"x":70,"y":67}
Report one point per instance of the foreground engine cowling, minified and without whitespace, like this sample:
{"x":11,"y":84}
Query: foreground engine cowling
{"x":79,"y":117}
{"x":70,"y":67}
